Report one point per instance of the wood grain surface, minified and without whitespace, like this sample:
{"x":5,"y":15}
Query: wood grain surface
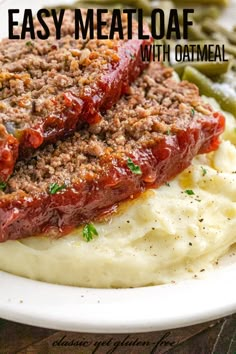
{"x":216,"y":337}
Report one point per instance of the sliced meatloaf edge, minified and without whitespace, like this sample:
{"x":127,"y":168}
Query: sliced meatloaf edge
{"x":48,"y":87}
{"x":145,"y":140}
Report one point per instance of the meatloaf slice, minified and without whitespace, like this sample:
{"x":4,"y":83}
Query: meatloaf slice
{"x":150,"y":136}
{"x":48,"y":86}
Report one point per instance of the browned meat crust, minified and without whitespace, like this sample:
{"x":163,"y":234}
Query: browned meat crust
{"x":48,"y":87}
{"x":160,"y":125}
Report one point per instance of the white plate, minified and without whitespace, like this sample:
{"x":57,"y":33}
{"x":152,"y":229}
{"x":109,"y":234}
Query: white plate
{"x":117,"y":311}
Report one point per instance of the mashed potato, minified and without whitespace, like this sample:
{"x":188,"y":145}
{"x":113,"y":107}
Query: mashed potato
{"x":171,"y":233}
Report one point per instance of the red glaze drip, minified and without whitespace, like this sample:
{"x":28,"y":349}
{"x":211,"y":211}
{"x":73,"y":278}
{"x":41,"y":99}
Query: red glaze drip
{"x":8,"y":153}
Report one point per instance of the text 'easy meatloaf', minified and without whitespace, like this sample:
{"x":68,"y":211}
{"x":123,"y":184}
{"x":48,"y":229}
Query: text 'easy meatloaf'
{"x":146,"y":139}
{"x":48,"y":86}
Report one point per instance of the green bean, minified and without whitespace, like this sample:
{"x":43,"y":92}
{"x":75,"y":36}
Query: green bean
{"x":233,"y":64}
{"x":210,"y":26}
{"x":226,"y":99}
{"x":203,"y":2}
{"x":209,"y":69}
{"x":230,"y":49}
{"x":218,"y":37}
{"x":201,"y":14}
{"x":195,"y":32}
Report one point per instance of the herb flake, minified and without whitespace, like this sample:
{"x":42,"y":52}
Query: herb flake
{"x":3,"y":186}
{"x":54,"y":188}
{"x":133,"y":168}
{"x":89,"y":231}
{"x":192,"y":112}
{"x":29,"y":44}
{"x":167,"y":132}
{"x":204,"y":171}
{"x":189,"y":192}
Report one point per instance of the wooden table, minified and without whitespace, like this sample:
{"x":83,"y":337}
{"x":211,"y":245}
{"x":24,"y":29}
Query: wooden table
{"x":216,"y":337}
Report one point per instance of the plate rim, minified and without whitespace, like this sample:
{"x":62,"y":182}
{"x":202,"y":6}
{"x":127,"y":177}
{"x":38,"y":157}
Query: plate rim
{"x":88,"y":310}
{"x":111,"y":310}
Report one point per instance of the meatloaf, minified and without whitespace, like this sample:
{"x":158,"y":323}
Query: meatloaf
{"x":146,"y":139}
{"x":47,"y":87}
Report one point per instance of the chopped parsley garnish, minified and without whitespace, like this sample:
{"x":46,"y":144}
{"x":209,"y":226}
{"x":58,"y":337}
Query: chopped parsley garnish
{"x":3,"y":186}
{"x":89,"y":232}
{"x":192,"y":112}
{"x":167,"y":184}
{"x":133,"y":168}
{"x":132,"y":56}
{"x":167,"y":132}
{"x":204,"y":171}
{"x":189,"y":192}
{"x":54,"y":188}
{"x":29,"y":44}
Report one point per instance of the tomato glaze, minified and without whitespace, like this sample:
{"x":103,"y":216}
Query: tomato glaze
{"x":58,"y":214}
